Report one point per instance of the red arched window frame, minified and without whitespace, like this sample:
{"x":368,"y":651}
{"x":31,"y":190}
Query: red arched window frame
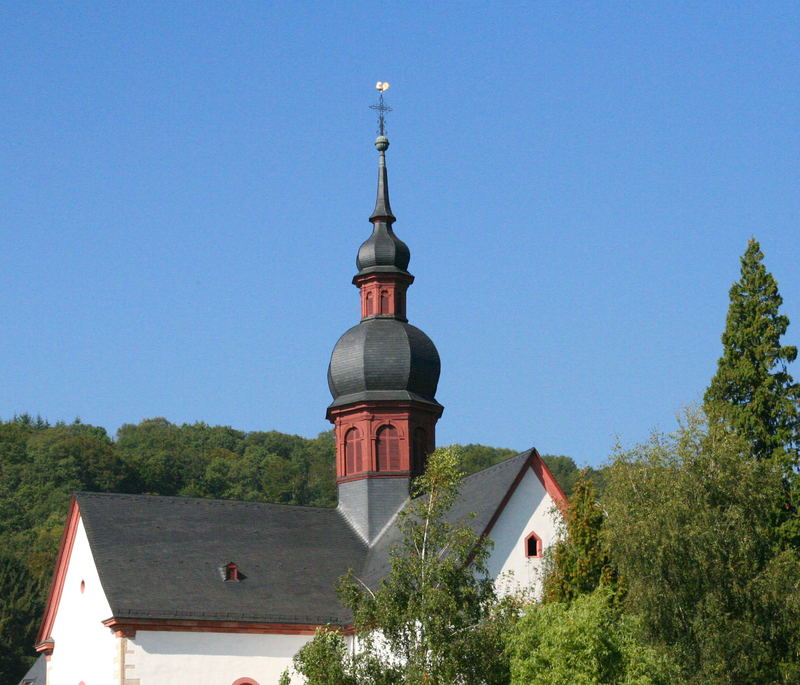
{"x":369,"y":302}
{"x":352,"y":452}
{"x":387,"y":448}
{"x":384,"y":301}
{"x":533,"y":546}
{"x":245,"y":681}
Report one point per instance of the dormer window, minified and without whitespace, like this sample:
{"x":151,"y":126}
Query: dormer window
{"x":232,"y":572}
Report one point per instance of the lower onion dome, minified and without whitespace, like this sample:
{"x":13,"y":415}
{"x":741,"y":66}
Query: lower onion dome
{"x":383,"y":359}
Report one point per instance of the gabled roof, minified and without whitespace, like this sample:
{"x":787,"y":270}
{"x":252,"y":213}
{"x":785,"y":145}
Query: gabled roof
{"x":481,"y":499}
{"x":163,"y":558}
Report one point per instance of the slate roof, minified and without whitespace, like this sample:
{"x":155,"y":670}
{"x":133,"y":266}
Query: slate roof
{"x":386,"y":359}
{"x":36,"y":674}
{"x":480,"y":494}
{"x":162,"y":557}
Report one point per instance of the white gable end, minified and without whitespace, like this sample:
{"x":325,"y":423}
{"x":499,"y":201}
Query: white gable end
{"x":530,"y":510}
{"x":85,"y":650}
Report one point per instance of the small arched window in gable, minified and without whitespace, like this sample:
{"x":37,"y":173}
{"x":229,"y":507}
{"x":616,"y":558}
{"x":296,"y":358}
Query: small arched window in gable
{"x":369,"y":302}
{"x":533,"y":546}
{"x":387,"y":449}
{"x":352,"y":451}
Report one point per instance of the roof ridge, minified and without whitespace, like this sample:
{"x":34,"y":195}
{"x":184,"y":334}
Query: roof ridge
{"x":198,"y":500}
{"x":500,"y":464}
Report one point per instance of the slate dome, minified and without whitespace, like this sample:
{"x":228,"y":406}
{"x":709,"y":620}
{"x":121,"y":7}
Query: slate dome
{"x":383,"y":249}
{"x":383,"y":359}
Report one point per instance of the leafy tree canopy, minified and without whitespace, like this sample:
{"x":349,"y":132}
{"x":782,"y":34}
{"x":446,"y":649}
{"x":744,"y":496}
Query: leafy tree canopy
{"x":585,"y":642}
{"x":435,"y":618}
{"x":691,"y":528}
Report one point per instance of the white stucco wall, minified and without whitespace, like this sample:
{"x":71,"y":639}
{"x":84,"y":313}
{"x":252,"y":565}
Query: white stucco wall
{"x":85,"y":650}
{"x":161,"y":657}
{"x":530,"y":510}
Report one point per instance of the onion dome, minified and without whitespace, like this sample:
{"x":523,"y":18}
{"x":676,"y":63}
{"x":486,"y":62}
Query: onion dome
{"x":383,"y":250}
{"x":383,"y":359}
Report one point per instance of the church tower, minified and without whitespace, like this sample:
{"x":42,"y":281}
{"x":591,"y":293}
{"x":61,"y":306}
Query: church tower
{"x":383,"y":375}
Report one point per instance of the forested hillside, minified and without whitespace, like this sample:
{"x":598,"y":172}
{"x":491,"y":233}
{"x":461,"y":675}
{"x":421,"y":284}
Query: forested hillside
{"x":42,"y":464}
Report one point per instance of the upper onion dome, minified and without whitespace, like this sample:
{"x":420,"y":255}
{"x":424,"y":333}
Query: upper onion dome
{"x":383,"y":250}
{"x":383,"y":359}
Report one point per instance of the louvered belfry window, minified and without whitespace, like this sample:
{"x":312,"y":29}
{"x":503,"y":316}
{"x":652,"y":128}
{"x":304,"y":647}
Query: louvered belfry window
{"x":370,"y":303}
{"x":388,"y":449}
{"x":352,"y":451}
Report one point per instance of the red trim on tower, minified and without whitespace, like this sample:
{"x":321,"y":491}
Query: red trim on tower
{"x":374,"y":474}
{"x":245,"y":681}
{"x":371,"y":419}
{"x":60,"y":573}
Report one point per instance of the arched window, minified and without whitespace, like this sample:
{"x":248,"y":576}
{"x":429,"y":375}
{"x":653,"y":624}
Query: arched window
{"x":352,"y":451}
{"x":387,"y":449}
{"x":370,"y":303}
{"x":384,"y":301}
{"x":420,"y":450}
{"x":533,"y":546}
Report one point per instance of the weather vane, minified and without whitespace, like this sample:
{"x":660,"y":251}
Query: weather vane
{"x":381,"y":108}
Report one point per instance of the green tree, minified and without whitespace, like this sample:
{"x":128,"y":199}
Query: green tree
{"x":435,"y":618}
{"x":589,"y":641}
{"x":579,"y":561}
{"x":752,"y":392}
{"x":476,"y":457}
{"x":692,"y":531}
{"x":21,"y":608}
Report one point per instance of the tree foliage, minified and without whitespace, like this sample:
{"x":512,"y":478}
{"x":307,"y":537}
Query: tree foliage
{"x":579,"y":561}
{"x":435,"y":618}
{"x":588,"y":641}
{"x":21,"y":608}
{"x":752,"y":392}
{"x":692,"y":530}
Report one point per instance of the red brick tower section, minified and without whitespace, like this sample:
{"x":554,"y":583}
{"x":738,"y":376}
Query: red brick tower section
{"x":383,"y":372}
{"x":383,"y":440}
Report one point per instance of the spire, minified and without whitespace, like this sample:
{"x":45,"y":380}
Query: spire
{"x":383,"y":209}
{"x":383,"y":250}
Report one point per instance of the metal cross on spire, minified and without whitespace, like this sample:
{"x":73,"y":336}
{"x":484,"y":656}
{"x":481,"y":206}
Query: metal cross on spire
{"x":381,"y":108}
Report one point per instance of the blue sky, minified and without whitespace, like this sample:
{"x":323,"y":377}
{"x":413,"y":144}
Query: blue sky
{"x":184,"y":186}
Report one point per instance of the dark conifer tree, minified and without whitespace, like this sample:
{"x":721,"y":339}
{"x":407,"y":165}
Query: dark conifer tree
{"x":752,"y":394}
{"x":580,"y":561}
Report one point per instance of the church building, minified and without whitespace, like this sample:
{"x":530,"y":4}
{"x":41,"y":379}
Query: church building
{"x":152,"y":590}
